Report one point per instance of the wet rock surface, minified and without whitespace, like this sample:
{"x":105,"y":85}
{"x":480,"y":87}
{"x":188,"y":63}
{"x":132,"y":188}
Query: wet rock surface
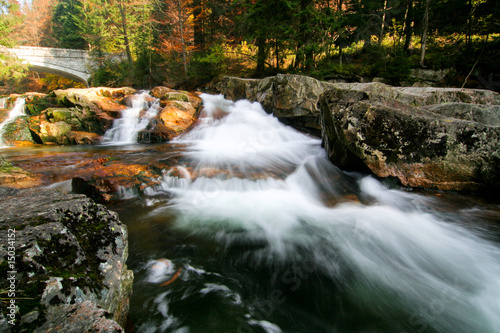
{"x":16,"y":177}
{"x":70,"y":258}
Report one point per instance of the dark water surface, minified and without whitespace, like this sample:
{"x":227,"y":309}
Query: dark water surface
{"x":251,"y":229}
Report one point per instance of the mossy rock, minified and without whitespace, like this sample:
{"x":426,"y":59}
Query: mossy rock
{"x":176,"y":96}
{"x":37,"y":103}
{"x":70,"y":116}
{"x":55,"y":132}
{"x":90,"y":96}
{"x":18,"y":131}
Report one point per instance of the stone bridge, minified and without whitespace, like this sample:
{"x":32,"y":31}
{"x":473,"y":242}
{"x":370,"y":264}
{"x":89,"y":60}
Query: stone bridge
{"x":73,"y":64}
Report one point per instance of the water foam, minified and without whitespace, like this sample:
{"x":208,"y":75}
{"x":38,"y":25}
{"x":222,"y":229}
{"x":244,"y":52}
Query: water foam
{"x":134,"y":119}
{"x":16,"y":112}
{"x":384,"y":248}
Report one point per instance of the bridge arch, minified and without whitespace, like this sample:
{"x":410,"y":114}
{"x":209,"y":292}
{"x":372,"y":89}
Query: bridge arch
{"x":72,"y":64}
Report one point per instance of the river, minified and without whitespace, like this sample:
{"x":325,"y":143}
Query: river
{"x":252,"y":229}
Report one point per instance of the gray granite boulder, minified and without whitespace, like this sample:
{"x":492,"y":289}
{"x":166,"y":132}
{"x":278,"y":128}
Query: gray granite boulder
{"x":442,"y":138}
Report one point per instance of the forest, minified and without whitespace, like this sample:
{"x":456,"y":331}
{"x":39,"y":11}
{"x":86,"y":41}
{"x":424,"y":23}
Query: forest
{"x":190,"y":43}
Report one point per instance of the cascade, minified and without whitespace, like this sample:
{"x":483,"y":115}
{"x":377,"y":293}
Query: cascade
{"x":350,"y":253}
{"x":3,"y":102}
{"x":14,"y":113}
{"x":133,"y":120}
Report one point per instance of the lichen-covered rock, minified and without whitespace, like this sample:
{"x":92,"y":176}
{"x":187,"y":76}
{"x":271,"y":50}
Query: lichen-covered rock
{"x":37,"y":102}
{"x":159,"y":92}
{"x":70,"y":258}
{"x":429,"y":76}
{"x":77,"y":318}
{"x":54,"y":132}
{"x":435,"y":138}
{"x":165,"y":95}
{"x":69,"y":126}
{"x":175,"y":96}
{"x":177,"y":119}
{"x":291,"y":98}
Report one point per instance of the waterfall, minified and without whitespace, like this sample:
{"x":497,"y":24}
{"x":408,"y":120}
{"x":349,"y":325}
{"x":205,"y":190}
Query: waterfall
{"x":133,"y":120}
{"x":14,"y":113}
{"x":3,"y":102}
{"x":247,"y":180}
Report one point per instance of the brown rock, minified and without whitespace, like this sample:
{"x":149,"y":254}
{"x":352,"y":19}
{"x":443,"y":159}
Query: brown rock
{"x":175,"y":119}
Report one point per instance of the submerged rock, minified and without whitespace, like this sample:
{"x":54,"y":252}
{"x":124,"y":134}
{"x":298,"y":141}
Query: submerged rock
{"x":440,"y":138}
{"x":69,"y":257}
{"x":104,"y":179}
{"x":13,"y":176}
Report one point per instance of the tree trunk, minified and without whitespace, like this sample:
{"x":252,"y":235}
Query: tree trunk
{"x":424,"y":34}
{"x":277,"y":54}
{"x":181,"y":29}
{"x":125,"y":34}
{"x":261,"y":56}
{"x":383,"y":23}
{"x":305,"y":38}
{"x":408,"y":28}
{"x":198,"y":33}
{"x":298,"y":56}
{"x":340,"y":54}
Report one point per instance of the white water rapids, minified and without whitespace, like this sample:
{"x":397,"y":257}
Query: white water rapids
{"x":14,"y":113}
{"x":250,"y":179}
{"x":134,"y":119}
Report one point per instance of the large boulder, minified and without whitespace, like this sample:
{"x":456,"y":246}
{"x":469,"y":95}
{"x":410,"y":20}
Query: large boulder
{"x":69,"y":126}
{"x":442,"y":138}
{"x":68,"y":256}
{"x":291,"y":98}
